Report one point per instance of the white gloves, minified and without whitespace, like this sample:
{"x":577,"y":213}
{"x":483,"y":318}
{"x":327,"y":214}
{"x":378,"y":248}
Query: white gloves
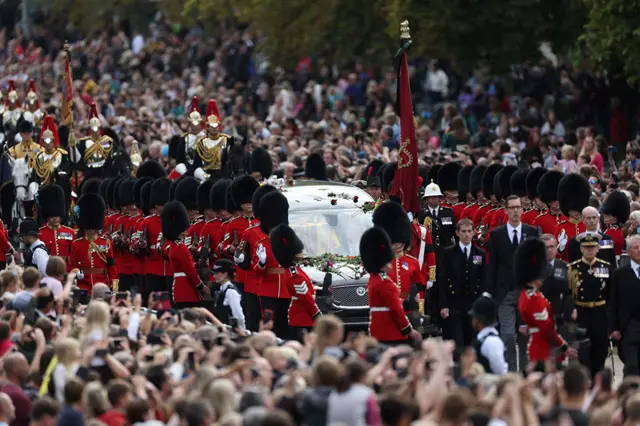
{"x":200,"y":174}
{"x":429,"y":284}
{"x":261,"y":252}
{"x":239,"y":258}
{"x":562,"y":241}
{"x":80,"y":275}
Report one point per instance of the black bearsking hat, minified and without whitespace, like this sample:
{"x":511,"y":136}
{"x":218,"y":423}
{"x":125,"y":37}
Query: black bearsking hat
{"x":530,"y":261}
{"x":242,"y":189}
{"x":103,"y":190}
{"x":90,"y":186}
{"x":111,"y":189}
{"x":186,"y":192}
{"x":432,"y":174}
{"x":548,"y":186}
{"x":531,"y":183}
{"x":371,"y":172}
{"x":273,"y":211}
{"x":464,"y":182}
{"x":229,"y":203}
{"x":448,"y":176}
{"x":137,"y":189}
{"x":218,"y":195}
{"x":574,"y":192}
{"x":160,"y":192}
{"x":91,"y":209}
{"x":487,"y":179}
{"x":115,"y":200}
{"x":393,"y":219}
{"x":387,"y":173}
{"x":173,"y":186}
{"x":202,"y":196}
{"x":375,"y":250}
{"x":315,"y":167}
{"x":51,"y":199}
{"x":261,"y":163}
{"x":126,"y":192}
{"x":285,"y":245}
{"x":257,"y":197}
{"x":518,"y":182}
{"x":174,"y":220}
{"x":484,"y":309}
{"x":145,"y":198}
{"x":475,"y":180}
{"x":25,"y":127}
{"x":617,"y":205}
{"x":502,"y":182}
{"x":151,"y":168}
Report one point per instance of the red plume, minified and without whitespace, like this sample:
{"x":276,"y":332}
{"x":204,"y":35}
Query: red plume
{"x":195,"y":106}
{"x":370,"y":171}
{"x":49,"y":124}
{"x":212,"y":109}
{"x":12,"y":88}
{"x":93,"y":111}
{"x":419,"y":181}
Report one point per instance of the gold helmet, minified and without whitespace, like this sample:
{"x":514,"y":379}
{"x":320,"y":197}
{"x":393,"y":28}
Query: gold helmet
{"x":32,"y":95}
{"x":12,"y":96}
{"x":194,"y":112}
{"x":49,"y":133}
{"x":213,"y":116}
{"x":136,"y":157}
{"x":94,"y":120}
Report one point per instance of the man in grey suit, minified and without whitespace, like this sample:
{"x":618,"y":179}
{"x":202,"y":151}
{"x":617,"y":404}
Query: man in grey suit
{"x":503,"y":242}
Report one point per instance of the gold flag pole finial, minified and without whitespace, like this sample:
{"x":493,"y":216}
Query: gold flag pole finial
{"x":66,"y":47}
{"x":404,"y":30}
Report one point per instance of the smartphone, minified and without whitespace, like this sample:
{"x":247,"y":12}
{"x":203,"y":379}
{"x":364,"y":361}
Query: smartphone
{"x":121,"y":295}
{"x":116,"y":345}
{"x":233,"y":322}
{"x":255,"y":373}
{"x":612,"y":148}
{"x":219,"y":340}
{"x":160,"y":295}
{"x":267,"y":315}
{"x":192,"y":358}
{"x":66,"y":303}
{"x":80,"y":297}
{"x":101,"y":353}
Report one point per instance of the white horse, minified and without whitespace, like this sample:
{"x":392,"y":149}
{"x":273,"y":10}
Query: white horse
{"x":25,"y":191}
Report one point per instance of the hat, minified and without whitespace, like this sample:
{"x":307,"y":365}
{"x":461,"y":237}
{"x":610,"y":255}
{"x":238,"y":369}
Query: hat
{"x":160,"y":192}
{"x":25,"y":127}
{"x":137,"y":189}
{"x":90,"y":212}
{"x":315,"y":167}
{"x":49,"y":131}
{"x":261,"y":163}
{"x":242,"y":189}
{"x":202,"y":195}
{"x":375,"y":250}
{"x":91,"y":186}
{"x":229,"y":204}
{"x":393,"y":219}
{"x":518,"y":182}
{"x":432,"y":174}
{"x":372,"y":169}
{"x":103,"y":190}
{"x":174,"y":220}
{"x":32,"y":95}
{"x":126,"y":192}
{"x":448,"y":176}
{"x":617,"y":205}
{"x":589,"y":239}
{"x":51,"y":199}
{"x":257,"y":196}
{"x":285,"y":245}
{"x":273,"y":211}
{"x":194,"y":116}
{"x":115,"y":200}
{"x":531,"y":183}
{"x":387,"y":174}
{"x":187,"y":192}
{"x":172,"y":187}
{"x":484,"y":309}
{"x":487,"y":179}
{"x":475,"y":180}
{"x":464,"y":182}
{"x":152,"y":169}
{"x":530,"y":261}
{"x":218,"y":194}
{"x":212,"y":114}
{"x":432,"y":190}
{"x":548,"y":186}
{"x":502,"y":182}
{"x":224,"y":266}
{"x":145,"y":198}
{"x":574,"y":192}
{"x":94,"y":120}
{"x":28,"y":226}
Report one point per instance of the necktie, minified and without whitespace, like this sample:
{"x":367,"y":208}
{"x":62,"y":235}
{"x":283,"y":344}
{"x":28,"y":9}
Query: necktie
{"x":466,"y":254}
{"x":515,"y":237}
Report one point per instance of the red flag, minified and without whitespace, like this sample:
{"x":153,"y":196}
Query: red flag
{"x":405,"y":182}
{"x":67,"y":92}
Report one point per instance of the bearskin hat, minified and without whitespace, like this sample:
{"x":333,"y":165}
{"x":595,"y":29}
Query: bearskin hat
{"x":90,"y":211}
{"x":285,"y":245}
{"x":487,"y":179}
{"x":218,"y":195}
{"x":530,"y":261}
{"x":152,"y":169}
{"x":448,"y":176}
{"x":110,"y":193}
{"x":91,"y":186}
{"x":315,"y":168}
{"x":186,"y":192}
{"x":375,"y":250}
{"x":518,"y":182}
{"x":115,"y":197}
{"x":371,"y":173}
{"x":137,"y":189}
{"x":229,"y":203}
{"x":573,"y":193}
{"x":394,"y":220}
{"x":387,"y":174}
{"x":145,"y":198}
{"x":548,"y":186}
{"x":126,"y":193}
{"x":464,"y":181}
{"x":202,"y":196}
{"x":160,"y":192}
{"x":273,"y":211}
{"x":261,"y":163}
{"x":257,"y":196}
{"x":475,"y":180}
{"x":25,"y":126}
{"x":502,"y":182}
{"x":432,"y":175}
{"x":533,"y":178}
{"x":103,"y":190}
{"x":51,"y":199}
{"x":173,"y":186}
{"x":174,"y":220}
{"x":242,"y":189}
{"x":617,"y":205}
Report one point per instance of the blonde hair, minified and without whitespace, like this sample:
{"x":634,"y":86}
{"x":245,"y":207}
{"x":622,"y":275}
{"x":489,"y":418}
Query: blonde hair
{"x":568,"y":150}
{"x":275,"y":353}
{"x":94,"y":400}
{"x":324,"y":328}
{"x":98,"y":319}
{"x":220,"y":395}
{"x":205,"y":376}
{"x":67,"y":351}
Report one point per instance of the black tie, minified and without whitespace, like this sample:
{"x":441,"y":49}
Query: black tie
{"x":467,"y":257}
{"x":515,"y":237}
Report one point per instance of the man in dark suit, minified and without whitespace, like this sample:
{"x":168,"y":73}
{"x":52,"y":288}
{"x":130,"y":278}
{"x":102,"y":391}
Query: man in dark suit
{"x":624,"y":305}
{"x":591,"y":220}
{"x":500,"y":278}
{"x":556,"y":285}
{"x":461,"y":279}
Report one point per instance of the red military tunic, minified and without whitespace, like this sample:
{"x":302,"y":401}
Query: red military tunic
{"x":108,"y":223}
{"x":135,"y":239}
{"x":185,"y":277}
{"x":5,"y":245}
{"x":95,"y":260}
{"x":194,"y":232}
{"x":567,"y":229}
{"x":485,"y":224}
{"x":615,"y":232}
{"x":248,"y":245}
{"x":303,"y":310}
{"x":469,"y":211}
{"x":210,"y":235}
{"x":122,"y":257}
{"x":549,"y":221}
{"x":422,"y":235}
{"x":529,"y":216}
{"x":271,"y":276}
{"x":387,"y":320}
{"x":498,"y":218}
{"x":457,"y":208}
{"x":233,"y":231}
{"x":537,"y":315}
{"x":480,"y":213}
{"x":405,"y":271}
{"x":58,"y":241}
{"x":155,"y":263}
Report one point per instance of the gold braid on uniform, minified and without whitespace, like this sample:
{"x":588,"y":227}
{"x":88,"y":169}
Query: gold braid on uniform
{"x":97,"y":147}
{"x":574,"y":278}
{"x":94,"y":248}
{"x":44,"y":170}
{"x":211,"y":157}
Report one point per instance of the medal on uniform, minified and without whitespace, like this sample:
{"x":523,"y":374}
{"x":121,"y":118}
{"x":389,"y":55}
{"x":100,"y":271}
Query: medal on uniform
{"x":405,"y":266}
{"x":590,"y":271}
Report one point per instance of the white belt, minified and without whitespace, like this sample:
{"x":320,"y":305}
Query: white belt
{"x":379,"y":309}
{"x":179,"y":274}
{"x":534,"y":330}
{"x":294,"y":298}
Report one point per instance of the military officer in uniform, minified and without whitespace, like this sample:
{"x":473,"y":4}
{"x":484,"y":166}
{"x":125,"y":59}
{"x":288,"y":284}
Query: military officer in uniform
{"x":548,"y":193}
{"x":12,"y":110}
{"x":56,"y":237}
{"x":27,"y":146}
{"x":556,"y":284}
{"x":573,"y":195}
{"x":438,"y":219}
{"x":94,"y":151}
{"x":615,"y":213}
{"x":52,"y":162}
{"x":156,"y":267}
{"x":589,"y":280}
{"x":531,"y":185}
{"x":475,"y":190}
{"x":261,"y":164}
{"x":482,"y":215}
{"x":32,"y":104}
{"x":591,"y":220}
{"x":448,"y":183}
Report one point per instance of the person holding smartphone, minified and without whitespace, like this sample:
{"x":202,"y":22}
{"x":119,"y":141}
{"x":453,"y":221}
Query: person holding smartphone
{"x":227,"y":308}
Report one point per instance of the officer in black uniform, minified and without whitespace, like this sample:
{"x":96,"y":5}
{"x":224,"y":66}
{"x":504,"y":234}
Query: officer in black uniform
{"x":35,"y":253}
{"x":488,"y":344}
{"x":591,"y":220}
{"x":228,"y":307}
{"x":556,"y":285}
{"x":439,"y":219}
{"x":589,"y":281}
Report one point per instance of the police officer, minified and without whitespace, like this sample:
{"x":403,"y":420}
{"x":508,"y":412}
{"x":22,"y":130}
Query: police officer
{"x":488,"y":345}
{"x":589,"y":280}
{"x":36,"y":253}
{"x":228,"y":304}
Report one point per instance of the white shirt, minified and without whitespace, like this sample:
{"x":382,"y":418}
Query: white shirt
{"x":493,"y":350}
{"x":40,"y":257}
{"x":468,"y":247}
{"x":634,"y":267}
{"x":232,"y":300}
{"x":518,"y":230}
{"x":438,"y":81}
{"x":433,"y":212}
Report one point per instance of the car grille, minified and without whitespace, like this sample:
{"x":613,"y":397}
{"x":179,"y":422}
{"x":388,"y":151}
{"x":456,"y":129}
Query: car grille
{"x":350,"y":297}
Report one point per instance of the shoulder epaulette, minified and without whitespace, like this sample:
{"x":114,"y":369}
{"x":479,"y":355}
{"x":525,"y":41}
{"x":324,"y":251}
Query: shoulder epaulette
{"x":575,"y":262}
{"x":78,"y":239}
{"x":62,"y":151}
{"x":410,"y":257}
{"x":541,"y":214}
{"x":602,"y":260}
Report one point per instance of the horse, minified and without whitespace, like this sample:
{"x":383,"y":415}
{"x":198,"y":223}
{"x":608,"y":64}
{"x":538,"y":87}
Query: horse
{"x":236,"y":161}
{"x":18,"y":195}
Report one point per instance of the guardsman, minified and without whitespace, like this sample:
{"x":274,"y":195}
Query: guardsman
{"x":187,"y":289}
{"x":212,"y":230}
{"x":186,"y":192}
{"x":573,"y":195}
{"x":5,"y":246}
{"x":130,"y":215}
{"x":464,"y":191}
{"x":288,"y":251}
{"x":530,"y":266}
{"x":92,"y":255}
{"x":184,"y":149}
{"x":482,"y":216}
{"x":94,"y":151}
{"x":56,"y":237}
{"x":589,"y":281}
{"x":591,"y":220}
{"x":502,"y":190}
{"x":548,"y":193}
{"x":261,"y":164}
{"x":373,"y":179}
{"x":387,"y":320}
{"x":116,"y":233}
{"x":52,"y":162}
{"x":32,"y":104}
{"x":615,"y":213}
{"x":537,"y":206}
{"x":12,"y":109}
{"x":422,"y":249}
{"x":106,"y":193}
{"x":156,"y":268}
{"x":448,"y":183}
{"x":519,"y":188}
{"x":475,"y":190}
{"x":142,"y":204}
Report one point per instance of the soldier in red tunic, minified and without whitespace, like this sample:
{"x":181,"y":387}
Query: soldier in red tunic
{"x":448,"y":183}
{"x":502,"y":190}
{"x":615,"y":211}
{"x":574,"y":192}
{"x":142,"y":204}
{"x":5,"y":246}
{"x":186,"y":190}
{"x":212,"y":230}
{"x":530,"y":267}
{"x":531,"y":185}
{"x":106,"y":193}
{"x":92,"y":256}
{"x":123,"y":233}
{"x":464,"y":191}
{"x":475,"y":190}
{"x":482,"y":218}
{"x":56,"y":237}
{"x":548,"y":193}
{"x":288,"y":251}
